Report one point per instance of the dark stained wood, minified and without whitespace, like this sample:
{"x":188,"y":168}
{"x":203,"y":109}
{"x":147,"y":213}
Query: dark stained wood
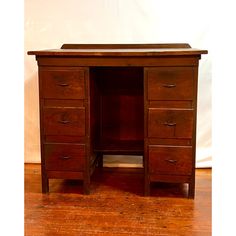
{"x":64,"y":157}
{"x":170,"y":141}
{"x":62,"y":83}
{"x":119,"y":99}
{"x":120,"y":102}
{"x":64,"y":121}
{"x":124,"y":46}
{"x":157,"y":178}
{"x":52,"y":174}
{"x":170,"y":83}
{"x":137,"y":52}
{"x":170,"y":160}
{"x":117,"y":61}
{"x":170,"y":104}
{"x":55,"y":103}
{"x":126,"y":147}
{"x":116,"y":206}
{"x":170,"y":123}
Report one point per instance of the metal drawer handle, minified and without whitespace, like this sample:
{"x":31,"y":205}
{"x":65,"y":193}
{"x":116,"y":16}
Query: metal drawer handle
{"x":64,"y":121}
{"x":63,"y":84}
{"x":169,"y":124}
{"x":65,"y":157}
{"x":171,"y":161}
{"x":169,"y":85}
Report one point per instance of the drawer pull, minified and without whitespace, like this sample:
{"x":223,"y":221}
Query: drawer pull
{"x":169,"y":124}
{"x":171,"y":161}
{"x":65,"y":158}
{"x":64,"y":121}
{"x":63,"y":84}
{"x":169,"y":85}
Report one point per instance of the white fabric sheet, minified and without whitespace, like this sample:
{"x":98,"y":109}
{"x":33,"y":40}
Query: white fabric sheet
{"x":49,"y":24}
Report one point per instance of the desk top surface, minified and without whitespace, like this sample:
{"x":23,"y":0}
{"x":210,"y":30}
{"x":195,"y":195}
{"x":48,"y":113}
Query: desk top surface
{"x":80,"y":50}
{"x":119,"y":52}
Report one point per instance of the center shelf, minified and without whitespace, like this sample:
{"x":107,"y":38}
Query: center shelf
{"x":128,"y":147}
{"x":117,"y":118}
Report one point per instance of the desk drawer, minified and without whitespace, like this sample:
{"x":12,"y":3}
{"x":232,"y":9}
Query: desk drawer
{"x":170,"y":123}
{"x":64,"y":121}
{"x":170,"y":83}
{"x":170,"y":160}
{"x":64,"y":84}
{"x":64,"y":157}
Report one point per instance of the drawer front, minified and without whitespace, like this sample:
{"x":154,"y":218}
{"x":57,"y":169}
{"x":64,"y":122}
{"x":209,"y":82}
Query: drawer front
{"x":170,"y":123}
{"x":170,"y":160}
{"x":64,"y":84}
{"x":64,"y":157}
{"x":64,"y":121}
{"x":170,"y":83}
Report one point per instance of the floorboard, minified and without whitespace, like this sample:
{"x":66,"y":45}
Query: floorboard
{"x":116,"y":206}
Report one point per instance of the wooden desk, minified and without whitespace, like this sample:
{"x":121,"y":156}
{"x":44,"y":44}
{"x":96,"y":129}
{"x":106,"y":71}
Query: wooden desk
{"x":118,"y":99}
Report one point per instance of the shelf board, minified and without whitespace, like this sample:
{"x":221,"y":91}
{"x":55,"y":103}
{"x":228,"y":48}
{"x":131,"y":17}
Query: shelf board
{"x":126,"y":147}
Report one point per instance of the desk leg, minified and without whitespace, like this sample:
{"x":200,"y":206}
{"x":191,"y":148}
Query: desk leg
{"x":146,"y":186}
{"x":100,"y":160}
{"x":44,"y":179}
{"x":191,"y":190}
{"x":45,"y":184}
{"x":86,"y":187}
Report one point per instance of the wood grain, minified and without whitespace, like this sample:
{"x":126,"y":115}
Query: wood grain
{"x":120,"y":88}
{"x":119,"y":52}
{"x":116,"y":206}
{"x":125,"y":46}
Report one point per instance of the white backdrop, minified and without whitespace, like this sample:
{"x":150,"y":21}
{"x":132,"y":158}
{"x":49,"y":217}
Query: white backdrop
{"x":49,"y":24}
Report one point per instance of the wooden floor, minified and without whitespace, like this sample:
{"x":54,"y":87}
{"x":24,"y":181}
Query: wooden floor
{"x":116,"y":206}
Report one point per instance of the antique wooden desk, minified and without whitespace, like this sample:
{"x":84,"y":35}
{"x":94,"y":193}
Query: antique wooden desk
{"x":118,"y":99}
